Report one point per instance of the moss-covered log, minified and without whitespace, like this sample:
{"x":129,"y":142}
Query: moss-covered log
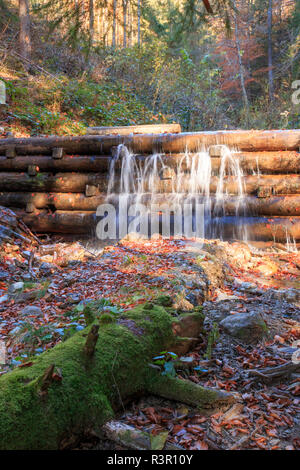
{"x":89,"y":388}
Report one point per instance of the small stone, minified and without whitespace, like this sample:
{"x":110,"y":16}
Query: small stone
{"x":15,"y":287}
{"x":249,"y":327}
{"x":32,"y":310}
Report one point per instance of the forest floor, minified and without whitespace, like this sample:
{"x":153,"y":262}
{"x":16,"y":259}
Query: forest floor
{"x":41,"y":303}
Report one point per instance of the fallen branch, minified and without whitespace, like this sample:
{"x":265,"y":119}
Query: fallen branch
{"x":87,"y":397}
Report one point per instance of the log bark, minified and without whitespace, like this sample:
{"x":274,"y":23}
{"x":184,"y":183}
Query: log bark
{"x":132,"y":438}
{"x":271,"y":206}
{"x":87,"y":396}
{"x":141,"y":129}
{"x":67,"y":163}
{"x":263,"y":162}
{"x":258,"y":228}
{"x":61,"y":182}
{"x":59,"y":201}
{"x":277,"y":229}
{"x":163,"y":143}
{"x":250,"y":162}
{"x":60,"y":221}
{"x":75,"y":183}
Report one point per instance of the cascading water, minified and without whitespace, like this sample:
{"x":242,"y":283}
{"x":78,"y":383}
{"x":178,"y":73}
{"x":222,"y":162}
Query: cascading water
{"x":137,"y":180}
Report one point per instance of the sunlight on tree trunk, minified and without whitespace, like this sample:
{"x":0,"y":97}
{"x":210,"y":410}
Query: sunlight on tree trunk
{"x":270,"y":58}
{"x":241,"y":68}
{"x":24,"y":35}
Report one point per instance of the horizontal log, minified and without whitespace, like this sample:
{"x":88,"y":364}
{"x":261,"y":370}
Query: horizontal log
{"x":250,"y":162}
{"x":60,"y":201}
{"x":277,"y":184}
{"x":141,"y":129}
{"x":61,"y":182}
{"x":76,"y":183}
{"x":46,"y":163}
{"x":262,"y":228}
{"x":263,"y":162}
{"x":251,"y":205}
{"x":60,"y":221}
{"x":257,"y":228}
{"x":162,"y":143}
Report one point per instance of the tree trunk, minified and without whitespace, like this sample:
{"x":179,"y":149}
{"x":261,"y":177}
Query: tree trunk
{"x":241,"y":68}
{"x":24,"y":35}
{"x":115,"y":5}
{"x":91,"y":21}
{"x":39,"y":414}
{"x":248,"y":140}
{"x":270,"y":58}
{"x":125,"y":5}
{"x":139,"y":8}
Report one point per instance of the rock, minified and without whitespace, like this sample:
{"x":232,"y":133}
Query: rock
{"x":249,"y":327}
{"x":32,"y":310}
{"x":47,"y":268}
{"x":222,"y":296}
{"x":27,"y":277}
{"x":15,"y":287}
{"x":290,"y":295}
{"x":189,"y":325}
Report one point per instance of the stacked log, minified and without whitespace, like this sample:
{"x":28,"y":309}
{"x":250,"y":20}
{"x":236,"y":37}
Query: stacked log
{"x":57,"y":183}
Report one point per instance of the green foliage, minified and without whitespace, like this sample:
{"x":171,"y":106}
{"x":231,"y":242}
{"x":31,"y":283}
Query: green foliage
{"x":166,"y":361}
{"x":213,"y":337}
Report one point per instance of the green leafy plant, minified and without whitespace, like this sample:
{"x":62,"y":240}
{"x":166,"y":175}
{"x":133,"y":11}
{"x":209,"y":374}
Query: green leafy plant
{"x":213,"y":337}
{"x":166,"y":361}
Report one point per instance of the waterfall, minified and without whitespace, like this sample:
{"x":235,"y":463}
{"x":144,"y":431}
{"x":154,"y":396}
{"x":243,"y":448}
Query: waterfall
{"x":149,"y":179}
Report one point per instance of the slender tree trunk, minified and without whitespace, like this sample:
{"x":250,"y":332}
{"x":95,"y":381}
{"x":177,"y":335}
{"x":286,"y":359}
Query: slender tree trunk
{"x":139,"y":21}
{"x":270,"y":58}
{"x":115,"y":4}
{"x":91,"y":21}
{"x":241,"y":68}
{"x":24,"y":36}
{"x":125,"y":4}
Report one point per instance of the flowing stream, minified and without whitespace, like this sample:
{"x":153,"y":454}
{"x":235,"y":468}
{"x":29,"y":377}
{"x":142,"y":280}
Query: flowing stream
{"x":188,"y":178}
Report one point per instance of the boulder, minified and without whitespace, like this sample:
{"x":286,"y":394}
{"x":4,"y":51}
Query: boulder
{"x":249,"y":327}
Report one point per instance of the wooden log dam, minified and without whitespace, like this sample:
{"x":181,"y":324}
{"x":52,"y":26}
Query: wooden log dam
{"x":56,"y":183}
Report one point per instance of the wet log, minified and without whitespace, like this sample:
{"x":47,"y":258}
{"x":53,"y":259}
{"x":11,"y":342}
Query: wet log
{"x":257,"y":228}
{"x":272,"y":206}
{"x":277,"y":184}
{"x":61,"y":182}
{"x":141,"y":129}
{"x":67,"y":163}
{"x":77,"y":222}
{"x":252,"y":184}
{"x":162,"y":143}
{"x":250,"y":162}
{"x":87,"y":393}
{"x":60,"y":201}
{"x":278,"y":229}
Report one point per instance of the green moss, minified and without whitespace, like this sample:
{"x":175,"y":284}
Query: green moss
{"x":187,"y":392}
{"x":106,"y":318}
{"x":87,"y":392}
{"x":164,"y":300}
